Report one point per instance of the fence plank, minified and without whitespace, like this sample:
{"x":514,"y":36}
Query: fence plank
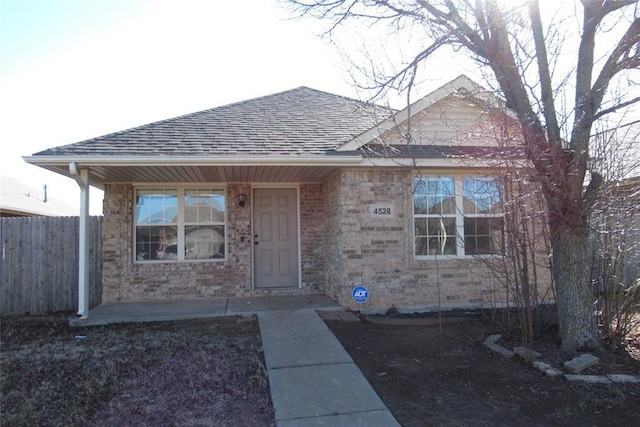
{"x":39,"y":264}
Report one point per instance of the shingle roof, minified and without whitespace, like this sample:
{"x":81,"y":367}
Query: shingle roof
{"x":301,"y":121}
{"x":18,"y":199}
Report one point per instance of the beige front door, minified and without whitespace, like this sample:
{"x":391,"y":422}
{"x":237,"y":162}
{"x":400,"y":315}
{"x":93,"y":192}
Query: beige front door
{"x":275,"y":238}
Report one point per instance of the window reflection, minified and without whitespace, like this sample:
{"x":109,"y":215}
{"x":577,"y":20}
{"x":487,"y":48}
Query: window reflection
{"x":437,"y":214}
{"x":177,"y":224}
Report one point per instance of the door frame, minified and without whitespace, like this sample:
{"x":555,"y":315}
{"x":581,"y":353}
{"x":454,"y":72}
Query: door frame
{"x":275,"y":186}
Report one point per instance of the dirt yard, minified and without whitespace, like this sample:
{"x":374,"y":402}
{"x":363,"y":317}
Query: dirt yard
{"x":211,"y":373}
{"x":192,"y":373}
{"x":429,"y":377}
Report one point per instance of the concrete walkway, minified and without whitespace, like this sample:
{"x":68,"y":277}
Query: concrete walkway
{"x":314,"y":382}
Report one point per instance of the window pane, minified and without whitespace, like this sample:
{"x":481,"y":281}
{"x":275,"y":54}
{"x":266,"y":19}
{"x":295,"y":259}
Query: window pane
{"x":420,"y":205}
{"x":420,"y":226}
{"x":419,"y":187}
{"x":422,"y":247}
{"x":204,"y":241}
{"x":204,"y":206}
{"x":156,"y":206}
{"x":482,"y":195}
{"x":435,"y":236}
{"x":434,"y":195}
{"x":484,"y":235}
{"x":442,"y":236}
{"x":156,"y":242}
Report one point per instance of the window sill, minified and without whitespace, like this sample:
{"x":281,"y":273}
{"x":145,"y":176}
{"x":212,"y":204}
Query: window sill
{"x":177,"y":261}
{"x":454,"y":257}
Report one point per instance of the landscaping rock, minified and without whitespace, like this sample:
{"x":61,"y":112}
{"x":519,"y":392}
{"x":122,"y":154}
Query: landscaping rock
{"x":491,"y":339}
{"x":547,"y":369}
{"x":501,"y":350}
{"x":491,"y":343}
{"x":553,"y":372}
{"x":580,"y":363}
{"x":589,"y":379}
{"x":541,"y":366}
{"x":526,"y":353}
{"x":623,"y":378}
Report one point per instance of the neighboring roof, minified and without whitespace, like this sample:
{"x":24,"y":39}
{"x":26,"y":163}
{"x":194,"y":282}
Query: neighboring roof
{"x":18,"y":199}
{"x":628,"y":187}
{"x":300,"y":122}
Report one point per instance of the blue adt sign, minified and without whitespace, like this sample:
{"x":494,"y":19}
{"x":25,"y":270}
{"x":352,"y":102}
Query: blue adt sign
{"x":360,"y":294}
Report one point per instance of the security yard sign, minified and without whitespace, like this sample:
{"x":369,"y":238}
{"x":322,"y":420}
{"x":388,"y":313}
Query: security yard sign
{"x":360,"y":294}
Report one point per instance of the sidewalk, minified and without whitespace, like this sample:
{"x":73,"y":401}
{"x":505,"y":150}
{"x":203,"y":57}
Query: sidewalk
{"x":313,"y":381}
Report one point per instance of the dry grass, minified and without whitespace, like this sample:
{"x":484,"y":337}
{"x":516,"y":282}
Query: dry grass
{"x":204,"y":372}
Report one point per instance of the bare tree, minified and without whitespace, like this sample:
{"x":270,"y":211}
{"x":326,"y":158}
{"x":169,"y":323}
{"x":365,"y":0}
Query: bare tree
{"x":556,"y":103}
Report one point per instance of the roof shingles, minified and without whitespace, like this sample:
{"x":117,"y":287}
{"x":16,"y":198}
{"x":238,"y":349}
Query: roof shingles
{"x":299,"y":122}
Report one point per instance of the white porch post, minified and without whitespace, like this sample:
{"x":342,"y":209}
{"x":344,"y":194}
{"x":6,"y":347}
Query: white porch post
{"x":82,"y":178}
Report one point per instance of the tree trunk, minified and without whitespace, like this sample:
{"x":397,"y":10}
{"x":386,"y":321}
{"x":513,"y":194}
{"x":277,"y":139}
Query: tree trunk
{"x":575,"y":299}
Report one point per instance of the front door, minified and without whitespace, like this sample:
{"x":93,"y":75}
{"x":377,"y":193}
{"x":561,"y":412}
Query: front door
{"x":275,"y":238}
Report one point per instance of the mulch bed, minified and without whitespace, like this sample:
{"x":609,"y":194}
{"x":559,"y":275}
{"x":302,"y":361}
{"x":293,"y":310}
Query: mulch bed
{"x":443,"y":375}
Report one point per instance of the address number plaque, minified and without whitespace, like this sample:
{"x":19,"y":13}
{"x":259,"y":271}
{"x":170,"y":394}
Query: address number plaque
{"x":382,"y":210}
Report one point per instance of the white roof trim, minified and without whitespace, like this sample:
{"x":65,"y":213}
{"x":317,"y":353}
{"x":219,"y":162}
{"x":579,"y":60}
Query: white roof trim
{"x":461,"y":82}
{"x":432,"y":163}
{"x":86,"y":161}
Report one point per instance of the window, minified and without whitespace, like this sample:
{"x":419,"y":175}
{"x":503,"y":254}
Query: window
{"x":483,"y":220}
{"x":179,"y":224}
{"x":457,"y":217}
{"x":435,"y":216}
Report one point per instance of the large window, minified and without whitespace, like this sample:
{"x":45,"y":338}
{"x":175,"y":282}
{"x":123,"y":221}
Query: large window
{"x":457,"y":216}
{"x":179,"y":224}
{"x":435,"y":216}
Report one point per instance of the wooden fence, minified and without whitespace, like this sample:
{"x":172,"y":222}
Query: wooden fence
{"x":39,"y":265}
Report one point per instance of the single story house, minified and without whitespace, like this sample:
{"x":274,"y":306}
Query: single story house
{"x":304,"y":192}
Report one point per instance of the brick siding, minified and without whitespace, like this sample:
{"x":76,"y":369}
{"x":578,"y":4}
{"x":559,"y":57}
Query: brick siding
{"x":378,"y":251}
{"x":342,"y":245}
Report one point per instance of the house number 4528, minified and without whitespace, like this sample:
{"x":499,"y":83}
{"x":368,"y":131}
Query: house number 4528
{"x":381,"y":210}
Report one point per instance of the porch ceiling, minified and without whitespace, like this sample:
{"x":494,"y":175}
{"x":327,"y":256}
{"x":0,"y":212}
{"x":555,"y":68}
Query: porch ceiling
{"x":103,"y":174}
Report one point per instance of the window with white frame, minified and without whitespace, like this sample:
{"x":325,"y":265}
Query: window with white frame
{"x":179,"y":224}
{"x":457,"y":216}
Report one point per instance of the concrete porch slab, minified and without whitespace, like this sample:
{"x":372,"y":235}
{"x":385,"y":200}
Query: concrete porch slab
{"x":253,"y":305}
{"x":159,"y":311}
{"x":338,"y":316}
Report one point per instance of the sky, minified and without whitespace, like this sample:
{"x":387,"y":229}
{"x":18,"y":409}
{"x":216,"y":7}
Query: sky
{"x":71,"y":70}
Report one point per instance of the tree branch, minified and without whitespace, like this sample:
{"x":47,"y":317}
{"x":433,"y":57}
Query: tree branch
{"x":548,"y":103}
{"x":616,"y":108}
